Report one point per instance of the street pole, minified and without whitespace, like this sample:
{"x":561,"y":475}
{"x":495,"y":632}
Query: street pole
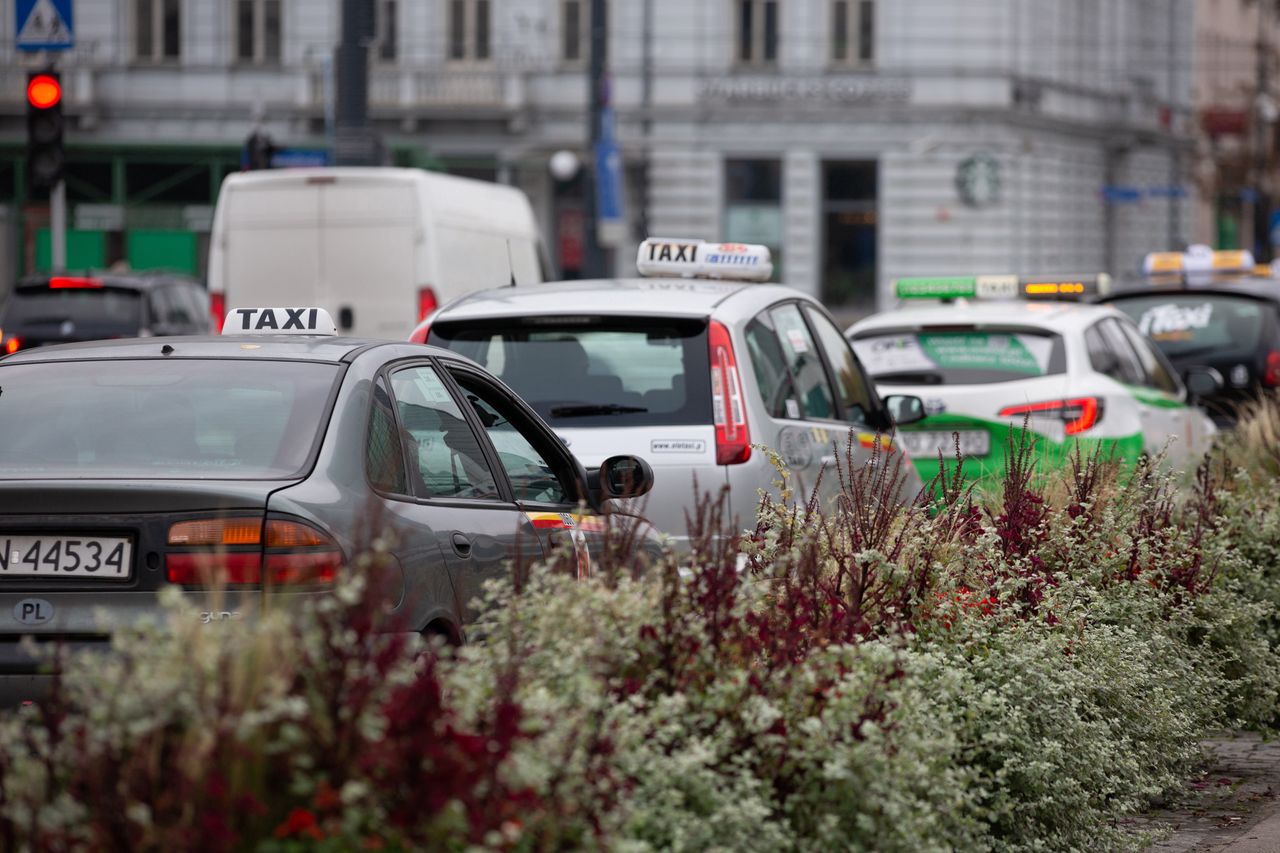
{"x":646,"y":117}
{"x":354,"y":142}
{"x":58,"y":225}
{"x":593,"y":252}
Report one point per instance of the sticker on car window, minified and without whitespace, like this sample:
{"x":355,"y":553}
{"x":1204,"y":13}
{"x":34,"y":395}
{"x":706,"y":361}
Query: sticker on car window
{"x":799,"y":342}
{"x":1007,"y":353}
{"x":1174,"y":322}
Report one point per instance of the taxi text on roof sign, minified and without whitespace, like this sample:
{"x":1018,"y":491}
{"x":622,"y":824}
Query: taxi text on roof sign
{"x":699,"y":259}
{"x":278,"y":321}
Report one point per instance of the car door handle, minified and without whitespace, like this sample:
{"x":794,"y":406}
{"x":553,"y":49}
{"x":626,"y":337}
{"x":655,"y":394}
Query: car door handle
{"x":461,"y":545}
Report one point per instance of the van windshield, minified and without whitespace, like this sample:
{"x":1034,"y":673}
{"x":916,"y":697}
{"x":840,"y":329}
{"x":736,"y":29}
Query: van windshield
{"x":583,"y":372}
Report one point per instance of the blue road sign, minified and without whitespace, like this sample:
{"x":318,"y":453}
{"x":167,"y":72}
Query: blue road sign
{"x":294,"y":158}
{"x":43,"y":25}
{"x":608,"y":181}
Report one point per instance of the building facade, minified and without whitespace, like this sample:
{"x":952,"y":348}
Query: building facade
{"x":1237,"y":103}
{"x":861,"y":139}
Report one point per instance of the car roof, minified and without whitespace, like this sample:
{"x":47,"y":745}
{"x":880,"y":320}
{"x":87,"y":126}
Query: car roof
{"x":1253,"y":287}
{"x":296,"y":347}
{"x":1052,"y":316}
{"x":647,"y":297}
{"x":141,"y":280}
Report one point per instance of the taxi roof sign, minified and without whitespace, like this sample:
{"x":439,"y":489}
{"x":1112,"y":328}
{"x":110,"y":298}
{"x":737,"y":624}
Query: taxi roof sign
{"x":1198,"y":264}
{"x":700,"y":259}
{"x":1001,"y":286}
{"x":279,"y":321}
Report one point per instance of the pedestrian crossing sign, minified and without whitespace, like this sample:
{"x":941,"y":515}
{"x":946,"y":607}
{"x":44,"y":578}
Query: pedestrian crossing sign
{"x":43,"y":25}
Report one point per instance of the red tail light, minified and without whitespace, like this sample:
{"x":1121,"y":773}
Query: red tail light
{"x":419,"y":335}
{"x":217,"y":310}
{"x":61,"y":282}
{"x":234,"y":552}
{"x":427,"y":302}
{"x":1079,"y":414}
{"x":12,"y":345}
{"x":1271,"y":375}
{"x":729,"y":411}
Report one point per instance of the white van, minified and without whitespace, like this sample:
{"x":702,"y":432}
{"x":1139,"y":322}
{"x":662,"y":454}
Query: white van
{"x":379,"y":248}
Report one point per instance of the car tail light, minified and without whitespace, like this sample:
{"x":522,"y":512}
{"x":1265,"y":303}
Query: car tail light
{"x":217,"y":310}
{"x":419,"y":334}
{"x":427,"y":303}
{"x":733,"y":441}
{"x":61,"y":282}
{"x":1271,"y":375}
{"x":239,"y":551}
{"x":12,"y":345}
{"x":1078,"y":414}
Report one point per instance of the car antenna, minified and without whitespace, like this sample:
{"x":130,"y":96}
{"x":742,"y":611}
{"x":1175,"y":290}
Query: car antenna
{"x":510,"y":263}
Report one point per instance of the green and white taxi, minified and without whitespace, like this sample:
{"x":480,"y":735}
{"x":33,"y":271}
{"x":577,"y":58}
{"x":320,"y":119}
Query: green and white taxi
{"x":994,"y":352}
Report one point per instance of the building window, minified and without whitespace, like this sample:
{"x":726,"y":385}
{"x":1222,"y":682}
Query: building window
{"x":575,"y":30}
{"x":753,"y":205}
{"x":258,"y":31}
{"x":468,"y":28}
{"x":384,"y":31}
{"x":157,"y":30}
{"x":757,"y":32}
{"x":853,"y":32}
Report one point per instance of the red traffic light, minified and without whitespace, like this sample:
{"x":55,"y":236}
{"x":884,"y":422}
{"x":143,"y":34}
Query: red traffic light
{"x":44,"y":91}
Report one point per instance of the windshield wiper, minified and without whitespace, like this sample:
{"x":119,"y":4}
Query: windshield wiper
{"x":595,"y":409}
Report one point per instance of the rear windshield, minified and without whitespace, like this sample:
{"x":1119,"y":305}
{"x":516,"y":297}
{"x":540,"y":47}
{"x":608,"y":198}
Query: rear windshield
{"x":597,"y":372}
{"x":1190,"y":324}
{"x":148,"y":419}
{"x":101,"y":312}
{"x":959,"y":357}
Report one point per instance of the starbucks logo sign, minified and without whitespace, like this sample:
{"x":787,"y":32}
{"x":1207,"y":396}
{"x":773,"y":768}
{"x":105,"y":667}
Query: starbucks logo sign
{"x":978,"y":180}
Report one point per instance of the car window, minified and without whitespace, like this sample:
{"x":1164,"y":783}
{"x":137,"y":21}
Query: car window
{"x":804,"y":363}
{"x":1128,"y":368}
{"x":532,"y":477}
{"x":591,"y":371}
{"x":1101,"y":358}
{"x":93,"y":312}
{"x":383,"y":452}
{"x":444,"y":454}
{"x":1153,"y":368}
{"x":224,"y":419}
{"x":770,"y":367}
{"x":1193,"y":324}
{"x":851,"y":384}
{"x":959,"y":357}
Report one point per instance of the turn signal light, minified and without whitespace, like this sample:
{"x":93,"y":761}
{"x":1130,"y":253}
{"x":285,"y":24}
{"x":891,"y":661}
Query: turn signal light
{"x":217,"y":531}
{"x":12,"y":345}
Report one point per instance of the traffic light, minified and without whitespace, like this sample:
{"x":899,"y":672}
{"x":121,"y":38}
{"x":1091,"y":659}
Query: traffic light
{"x":45,"y":155}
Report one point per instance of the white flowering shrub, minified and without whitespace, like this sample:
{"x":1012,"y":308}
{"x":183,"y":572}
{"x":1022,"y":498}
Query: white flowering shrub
{"x":1009,"y":671}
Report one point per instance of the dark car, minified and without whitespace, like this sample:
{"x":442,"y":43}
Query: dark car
{"x":261,"y":463}
{"x":1230,"y":324}
{"x":56,"y":309}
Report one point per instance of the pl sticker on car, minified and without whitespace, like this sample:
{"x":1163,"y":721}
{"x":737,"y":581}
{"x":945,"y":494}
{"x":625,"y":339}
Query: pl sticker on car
{"x":677,"y":445}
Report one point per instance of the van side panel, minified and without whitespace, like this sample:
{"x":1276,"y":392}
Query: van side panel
{"x":369,"y":237}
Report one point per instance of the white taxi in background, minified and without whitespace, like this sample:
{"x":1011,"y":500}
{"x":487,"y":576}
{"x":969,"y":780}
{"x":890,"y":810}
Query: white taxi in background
{"x":692,"y":365}
{"x":988,"y":353}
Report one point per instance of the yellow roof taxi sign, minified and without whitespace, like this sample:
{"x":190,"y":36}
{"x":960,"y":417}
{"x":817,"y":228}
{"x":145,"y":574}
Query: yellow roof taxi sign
{"x":1198,"y":264}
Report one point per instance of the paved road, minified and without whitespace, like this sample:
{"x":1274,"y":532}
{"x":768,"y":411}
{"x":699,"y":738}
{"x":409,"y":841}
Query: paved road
{"x":1233,"y":807}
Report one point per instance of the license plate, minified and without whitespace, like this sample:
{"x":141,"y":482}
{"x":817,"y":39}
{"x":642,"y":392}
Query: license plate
{"x":105,"y":557}
{"x":973,"y":442}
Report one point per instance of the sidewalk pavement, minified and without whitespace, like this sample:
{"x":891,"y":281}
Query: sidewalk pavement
{"x":1232,"y":807}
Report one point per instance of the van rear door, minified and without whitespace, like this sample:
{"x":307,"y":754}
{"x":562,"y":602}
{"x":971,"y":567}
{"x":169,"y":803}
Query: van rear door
{"x":272,"y":245}
{"x":368,"y":233}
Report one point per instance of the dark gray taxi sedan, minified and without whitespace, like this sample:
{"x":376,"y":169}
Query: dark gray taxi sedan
{"x":263,"y":461}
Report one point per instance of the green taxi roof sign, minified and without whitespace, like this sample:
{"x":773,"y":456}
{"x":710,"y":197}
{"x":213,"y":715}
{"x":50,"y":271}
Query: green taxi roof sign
{"x":958,"y":287}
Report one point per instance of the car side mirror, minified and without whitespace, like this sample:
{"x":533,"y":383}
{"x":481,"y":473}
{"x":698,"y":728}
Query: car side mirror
{"x":346,"y":318}
{"x":625,"y":477}
{"x":1203,"y":381}
{"x":905,"y":409}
